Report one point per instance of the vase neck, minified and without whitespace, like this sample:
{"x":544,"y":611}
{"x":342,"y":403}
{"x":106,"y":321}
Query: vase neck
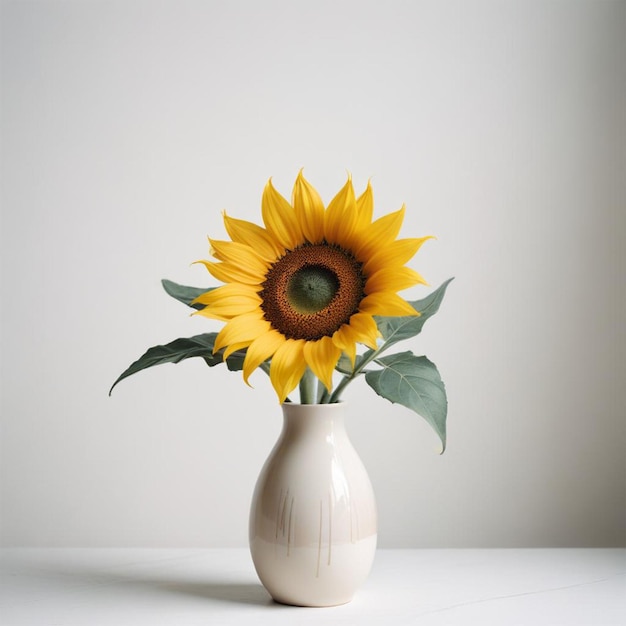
{"x":324,"y":420}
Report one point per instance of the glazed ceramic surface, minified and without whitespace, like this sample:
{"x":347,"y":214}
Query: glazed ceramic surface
{"x":313,"y":522}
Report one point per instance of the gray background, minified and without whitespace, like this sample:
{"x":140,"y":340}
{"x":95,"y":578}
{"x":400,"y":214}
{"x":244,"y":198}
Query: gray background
{"x":128,"y":126}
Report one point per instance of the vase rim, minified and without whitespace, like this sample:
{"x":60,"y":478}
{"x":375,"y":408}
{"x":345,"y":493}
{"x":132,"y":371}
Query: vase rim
{"x":296,"y":409}
{"x":313,"y":412}
{"x":290,"y":404}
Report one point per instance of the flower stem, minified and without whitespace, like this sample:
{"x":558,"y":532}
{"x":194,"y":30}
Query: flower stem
{"x":307,"y":387}
{"x":322,"y":393}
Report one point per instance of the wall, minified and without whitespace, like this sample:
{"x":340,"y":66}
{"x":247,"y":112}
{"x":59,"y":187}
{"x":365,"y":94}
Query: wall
{"x":127,"y":127}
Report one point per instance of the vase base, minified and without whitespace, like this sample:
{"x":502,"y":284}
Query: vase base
{"x":312,"y":605}
{"x":300,"y":578}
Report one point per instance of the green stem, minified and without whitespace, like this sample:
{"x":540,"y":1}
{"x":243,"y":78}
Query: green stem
{"x":307,"y":387}
{"x":322,"y":393}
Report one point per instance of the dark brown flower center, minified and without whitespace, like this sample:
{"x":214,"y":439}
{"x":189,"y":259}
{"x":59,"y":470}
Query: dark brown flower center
{"x":312,"y":290}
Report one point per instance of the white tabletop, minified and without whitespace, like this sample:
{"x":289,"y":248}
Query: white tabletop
{"x":87,"y":587}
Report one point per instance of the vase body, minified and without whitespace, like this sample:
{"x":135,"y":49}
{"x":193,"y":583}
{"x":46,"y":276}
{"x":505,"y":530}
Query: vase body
{"x":313,"y":521}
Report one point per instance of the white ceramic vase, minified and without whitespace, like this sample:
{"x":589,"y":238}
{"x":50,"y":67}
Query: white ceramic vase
{"x":313,"y":521}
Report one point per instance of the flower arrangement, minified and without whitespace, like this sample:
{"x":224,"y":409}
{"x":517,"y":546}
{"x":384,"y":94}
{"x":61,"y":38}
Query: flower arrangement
{"x":301,"y":294}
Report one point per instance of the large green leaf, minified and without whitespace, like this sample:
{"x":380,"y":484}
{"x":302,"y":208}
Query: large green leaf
{"x":185,"y":294}
{"x":414,"y":382}
{"x":179,"y":350}
{"x":394,"y":329}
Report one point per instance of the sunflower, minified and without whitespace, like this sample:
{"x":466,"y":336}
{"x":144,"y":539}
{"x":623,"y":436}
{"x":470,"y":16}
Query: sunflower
{"x":305,"y":289}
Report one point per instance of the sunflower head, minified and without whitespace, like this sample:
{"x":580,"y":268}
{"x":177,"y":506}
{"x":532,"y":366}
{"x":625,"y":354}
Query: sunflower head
{"x":305,"y":287}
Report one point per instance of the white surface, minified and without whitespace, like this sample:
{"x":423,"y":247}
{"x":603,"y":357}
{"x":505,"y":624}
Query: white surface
{"x":425,"y":587}
{"x":129,"y":125}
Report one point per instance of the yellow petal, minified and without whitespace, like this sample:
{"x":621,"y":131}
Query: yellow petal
{"x":393,"y":279}
{"x":377,"y":235}
{"x":229,"y":273}
{"x":340,"y":217}
{"x":229,"y":290}
{"x":212,"y":315}
{"x":365,"y":329}
{"x":228,"y":301}
{"x":261,"y":349}
{"x":254,"y":236}
{"x":361,"y":329}
{"x":322,"y":356}
{"x":365,"y":207}
{"x":239,"y":254}
{"x":287,"y":367}
{"x":395,"y":253}
{"x":241,"y":329}
{"x":345,"y":339}
{"x":309,"y":209}
{"x":280,"y":219}
{"x":229,"y":308}
{"x":233,"y":348}
{"x":386,"y":303}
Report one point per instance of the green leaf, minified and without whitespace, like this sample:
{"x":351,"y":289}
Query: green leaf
{"x":394,"y":329}
{"x":179,"y":350}
{"x":185,"y":294}
{"x":344,"y":364}
{"x":414,"y":382}
{"x":234,"y":362}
